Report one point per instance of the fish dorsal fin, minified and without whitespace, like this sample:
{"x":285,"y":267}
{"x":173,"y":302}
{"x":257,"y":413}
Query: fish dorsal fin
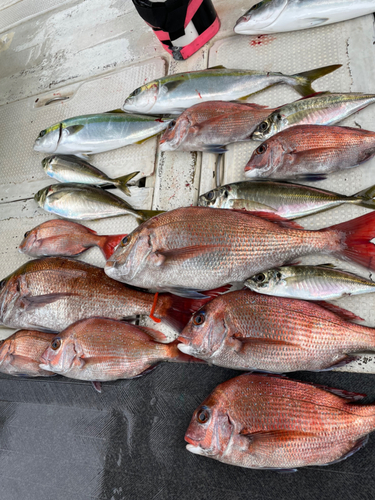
{"x":271,"y":217}
{"x":339,"y":311}
{"x":342,"y":393}
{"x":118,"y":110}
{"x":327,"y":264}
{"x":316,"y":94}
{"x":219,"y":66}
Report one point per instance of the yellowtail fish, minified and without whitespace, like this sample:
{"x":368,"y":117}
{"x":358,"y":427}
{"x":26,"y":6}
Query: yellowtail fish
{"x":174,"y":93}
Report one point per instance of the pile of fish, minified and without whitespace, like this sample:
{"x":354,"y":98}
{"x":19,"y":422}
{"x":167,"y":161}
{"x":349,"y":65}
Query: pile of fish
{"x":178,"y":266}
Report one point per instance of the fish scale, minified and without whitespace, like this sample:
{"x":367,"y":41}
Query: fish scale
{"x":52,"y":293}
{"x":304,"y":150}
{"x":101,"y":349}
{"x":212,"y":247}
{"x":272,"y":334}
{"x":267,"y":421}
{"x":211,"y":125}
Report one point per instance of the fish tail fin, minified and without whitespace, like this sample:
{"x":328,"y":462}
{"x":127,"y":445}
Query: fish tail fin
{"x":304,"y":80}
{"x":122,"y":182}
{"x":356,"y":236}
{"x":366,"y":198}
{"x":143,"y":215}
{"x":108,"y":244}
{"x":178,"y":310}
{"x":176,"y":356}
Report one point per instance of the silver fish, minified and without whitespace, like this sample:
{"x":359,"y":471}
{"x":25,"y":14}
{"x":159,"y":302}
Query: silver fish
{"x":323,"y":108}
{"x":90,"y":134}
{"x":175,"y":93}
{"x":84,"y":202}
{"x":322,"y":282}
{"x":287,"y":200}
{"x":70,"y":168}
{"x":274,"y":16}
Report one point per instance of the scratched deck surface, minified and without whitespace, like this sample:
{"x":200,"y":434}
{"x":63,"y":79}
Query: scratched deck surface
{"x":58,"y":438}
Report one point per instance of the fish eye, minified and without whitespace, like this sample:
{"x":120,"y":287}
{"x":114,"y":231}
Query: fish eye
{"x":26,"y":234}
{"x":2,"y":284}
{"x":136,"y":92}
{"x":210,"y":195}
{"x":263,"y":126}
{"x":279,"y":117}
{"x":226,"y":194}
{"x":56,"y":343}
{"x":278,"y":275}
{"x":125,"y":241}
{"x":42,"y":133}
{"x":172,"y":124}
{"x":203,"y":415}
{"x":199,"y":319}
{"x":261,"y":149}
{"x":259,"y":278}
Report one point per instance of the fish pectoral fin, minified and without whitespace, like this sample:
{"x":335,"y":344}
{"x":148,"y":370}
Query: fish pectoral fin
{"x":251,"y":206}
{"x":310,"y":22}
{"x":275,"y":433}
{"x":265,"y":342}
{"x":360,"y":443}
{"x":172,"y":84}
{"x":97,"y":386}
{"x":181,"y":254}
{"x":32,"y":302}
{"x":339,"y":311}
{"x":73,"y":129}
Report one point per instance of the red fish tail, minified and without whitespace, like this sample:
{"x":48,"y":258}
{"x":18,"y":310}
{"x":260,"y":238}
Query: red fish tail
{"x":356,"y":236}
{"x":177,"y":356}
{"x":108,"y":244}
{"x":176,"y":311}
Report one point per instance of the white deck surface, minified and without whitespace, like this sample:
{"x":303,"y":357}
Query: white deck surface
{"x":97,"y":52}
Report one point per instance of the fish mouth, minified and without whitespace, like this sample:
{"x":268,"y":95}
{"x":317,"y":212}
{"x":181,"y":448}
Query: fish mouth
{"x":243,"y":19}
{"x":251,"y":172}
{"x":197,"y":450}
{"x":185,"y":348}
{"x":45,"y":364}
{"x":37,"y":146}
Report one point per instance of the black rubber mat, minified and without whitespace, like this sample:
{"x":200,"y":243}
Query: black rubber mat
{"x":60,"y":440}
